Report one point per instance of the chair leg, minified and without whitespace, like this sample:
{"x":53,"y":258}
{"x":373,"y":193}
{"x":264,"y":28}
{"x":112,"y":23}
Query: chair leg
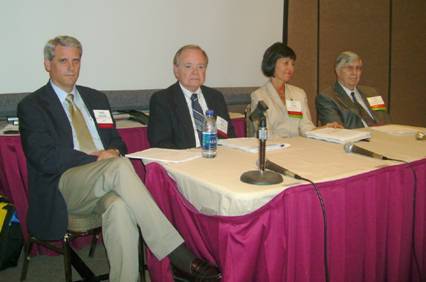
{"x":71,"y":259}
{"x":93,"y":244}
{"x":27,"y":257}
{"x":141,"y":261}
{"x":67,"y":258}
{"x":142,"y":266}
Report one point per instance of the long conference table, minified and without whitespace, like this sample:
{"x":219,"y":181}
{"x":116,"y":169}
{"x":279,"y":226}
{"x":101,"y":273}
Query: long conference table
{"x":275,"y":232}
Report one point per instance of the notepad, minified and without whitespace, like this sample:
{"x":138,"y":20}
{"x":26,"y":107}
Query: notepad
{"x":9,"y":129}
{"x":166,"y":155}
{"x":338,"y":135}
{"x":251,"y":144}
{"x":398,"y":130}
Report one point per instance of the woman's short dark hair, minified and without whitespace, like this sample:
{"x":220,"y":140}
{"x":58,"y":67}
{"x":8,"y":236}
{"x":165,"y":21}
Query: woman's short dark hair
{"x":272,"y":54}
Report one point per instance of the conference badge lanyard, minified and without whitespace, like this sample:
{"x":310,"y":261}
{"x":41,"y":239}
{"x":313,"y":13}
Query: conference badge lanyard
{"x":294,"y":109}
{"x":103,"y":118}
{"x":376,"y":103}
{"x":222,"y":127}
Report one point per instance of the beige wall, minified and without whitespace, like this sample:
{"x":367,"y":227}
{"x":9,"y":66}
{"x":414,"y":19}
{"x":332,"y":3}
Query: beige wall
{"x":366,"y":27}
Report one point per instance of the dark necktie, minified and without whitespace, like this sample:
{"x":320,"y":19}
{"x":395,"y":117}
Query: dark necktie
{"x":198,"y":115}
{"x":80,"y":127}
{"x":362,"y":112}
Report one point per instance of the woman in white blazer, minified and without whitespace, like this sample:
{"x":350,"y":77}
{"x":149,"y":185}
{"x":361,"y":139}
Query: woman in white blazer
{"x":288,"y":112}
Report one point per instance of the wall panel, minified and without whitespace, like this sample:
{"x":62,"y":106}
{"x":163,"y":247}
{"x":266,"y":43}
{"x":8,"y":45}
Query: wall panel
{"x":408,"y":100}
{"x":361,"y":26}
{"x":302,"y":38}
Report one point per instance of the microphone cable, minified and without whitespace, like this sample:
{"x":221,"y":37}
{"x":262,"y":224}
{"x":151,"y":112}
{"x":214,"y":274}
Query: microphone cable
{"x":324,"y":218}
{"x":413,"y":223}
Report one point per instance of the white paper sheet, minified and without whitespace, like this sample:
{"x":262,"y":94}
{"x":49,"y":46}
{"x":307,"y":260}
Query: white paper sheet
{"x":251,"y":144}
{"x":338,"y":135}
{"x":166,"y":155}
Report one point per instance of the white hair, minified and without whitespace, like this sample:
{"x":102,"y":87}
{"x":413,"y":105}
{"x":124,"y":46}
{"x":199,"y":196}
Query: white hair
{"x":346,"y":58}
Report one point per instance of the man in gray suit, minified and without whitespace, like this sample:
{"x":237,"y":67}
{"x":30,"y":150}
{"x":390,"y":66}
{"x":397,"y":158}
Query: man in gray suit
{"x":346,"y":102}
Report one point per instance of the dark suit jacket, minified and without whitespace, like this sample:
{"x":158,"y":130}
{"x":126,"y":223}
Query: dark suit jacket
{"x":47,"y":141}
{"x":333,"y":104}
{"x":170,"y":124}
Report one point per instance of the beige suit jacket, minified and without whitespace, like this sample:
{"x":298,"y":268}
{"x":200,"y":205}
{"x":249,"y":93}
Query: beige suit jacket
{"x":279,"y":123}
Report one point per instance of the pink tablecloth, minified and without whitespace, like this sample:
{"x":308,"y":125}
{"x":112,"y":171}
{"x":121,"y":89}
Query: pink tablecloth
{"x":369,"y":225}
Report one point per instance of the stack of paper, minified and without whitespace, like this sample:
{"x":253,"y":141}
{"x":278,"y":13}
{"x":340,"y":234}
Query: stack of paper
{"x":166,"y":155}
{"x":9,"y":129}
{"x":251,"y":144}
{"x":338,"y":135}
{"x":398,"y":130}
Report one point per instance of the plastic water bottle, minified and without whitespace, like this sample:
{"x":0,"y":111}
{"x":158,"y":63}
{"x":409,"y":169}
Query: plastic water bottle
{"x":209,"y":142}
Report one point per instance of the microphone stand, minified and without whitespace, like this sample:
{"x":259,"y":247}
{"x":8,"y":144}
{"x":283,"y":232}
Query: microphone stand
{"x":260,"y":176}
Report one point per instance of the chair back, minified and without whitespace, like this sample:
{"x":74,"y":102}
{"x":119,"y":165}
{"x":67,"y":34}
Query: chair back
{"x":250,"y":127}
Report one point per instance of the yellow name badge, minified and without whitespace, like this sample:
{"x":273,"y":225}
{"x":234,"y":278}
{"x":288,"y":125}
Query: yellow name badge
{"x":376,"y":103}
{"x":294,"y":109}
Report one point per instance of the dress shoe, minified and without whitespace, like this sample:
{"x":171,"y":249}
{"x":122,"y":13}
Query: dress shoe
{"x":201,"y":271}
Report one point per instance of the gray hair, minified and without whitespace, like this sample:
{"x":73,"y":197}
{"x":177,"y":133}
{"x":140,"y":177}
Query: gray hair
{"x":186,"y":47}
{"x":63,"y":40}
{"x":346,"y":58}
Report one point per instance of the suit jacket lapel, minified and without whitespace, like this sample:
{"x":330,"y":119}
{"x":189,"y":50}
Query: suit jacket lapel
{"x":58,"y":115}
{"x":182,"y":114}
{"x":343,"y":97}
{"x":209,"y":99}
{"x":275,"y":98}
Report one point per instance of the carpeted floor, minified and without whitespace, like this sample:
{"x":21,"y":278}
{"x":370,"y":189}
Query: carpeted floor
{"x":51,"y":268}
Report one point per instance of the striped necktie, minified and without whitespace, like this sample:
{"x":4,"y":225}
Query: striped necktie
{"x":198,"y":115}
{"x":80,"y":127}
{"x":362,"y":112}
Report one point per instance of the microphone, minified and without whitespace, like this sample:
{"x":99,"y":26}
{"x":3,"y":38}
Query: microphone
{"x":277,"y":168}
{"x":352,"y":148}
{"x":420,"y":136}
{"x":259,"y":112}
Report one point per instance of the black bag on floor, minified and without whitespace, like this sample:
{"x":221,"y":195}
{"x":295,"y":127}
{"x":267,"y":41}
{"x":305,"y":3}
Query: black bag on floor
{"x":11,"y":240}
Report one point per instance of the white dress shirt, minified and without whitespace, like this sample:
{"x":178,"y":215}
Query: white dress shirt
{"x":203,"y":105}
{"x":359,"y":99}
{"x":78,"y":101}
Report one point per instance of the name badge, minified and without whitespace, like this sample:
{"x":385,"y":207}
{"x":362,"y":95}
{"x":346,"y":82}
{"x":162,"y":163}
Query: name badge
{"x":222,"y":127}
{"x":103,"y":118}
{"x":294,"y":108}
{"x":376,"y":103}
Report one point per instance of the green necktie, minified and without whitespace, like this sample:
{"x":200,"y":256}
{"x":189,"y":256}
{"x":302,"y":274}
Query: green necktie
{"x":80,"y":127}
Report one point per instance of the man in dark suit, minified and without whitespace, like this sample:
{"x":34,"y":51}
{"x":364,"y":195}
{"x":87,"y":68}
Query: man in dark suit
{"x":73,"y":156}
{"x":171,"y":111}
{"x":346,"y":102}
